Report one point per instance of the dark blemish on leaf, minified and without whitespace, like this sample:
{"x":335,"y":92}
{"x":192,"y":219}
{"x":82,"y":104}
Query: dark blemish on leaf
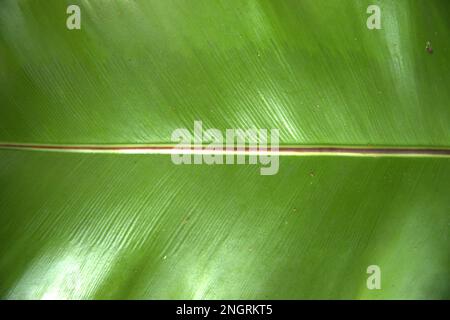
{"x":312,"y":174}
{"x":428,"y":47}
{"x":185,"y":220}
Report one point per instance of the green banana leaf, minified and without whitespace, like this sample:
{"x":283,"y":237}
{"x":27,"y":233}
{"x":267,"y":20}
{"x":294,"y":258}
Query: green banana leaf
{"x":93,"y":225}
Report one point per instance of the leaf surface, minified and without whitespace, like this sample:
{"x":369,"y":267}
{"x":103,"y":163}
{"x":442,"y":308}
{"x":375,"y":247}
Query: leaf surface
{"x":89,"y":225}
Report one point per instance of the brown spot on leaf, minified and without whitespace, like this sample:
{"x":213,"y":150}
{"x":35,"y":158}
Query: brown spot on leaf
{"x":428,"y":47}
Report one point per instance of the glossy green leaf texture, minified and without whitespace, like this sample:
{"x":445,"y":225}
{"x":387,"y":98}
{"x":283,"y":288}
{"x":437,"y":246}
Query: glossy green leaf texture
{"x":136,"y":226}
{"x":137,"y":70}
{"x":76,"y":225}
